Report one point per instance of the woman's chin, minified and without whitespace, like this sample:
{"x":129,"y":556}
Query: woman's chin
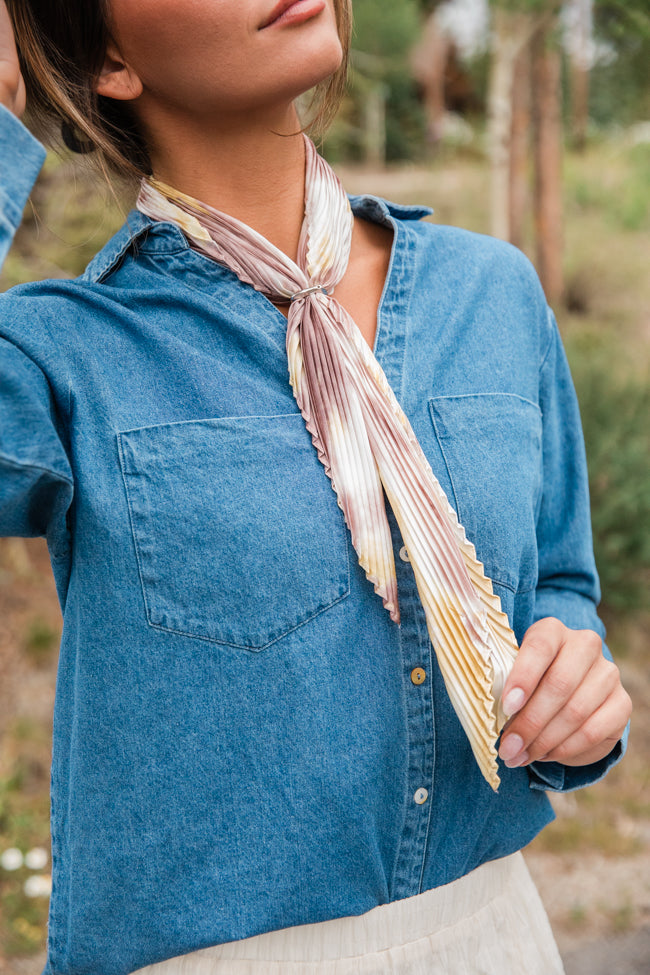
{"x":317,"y":70}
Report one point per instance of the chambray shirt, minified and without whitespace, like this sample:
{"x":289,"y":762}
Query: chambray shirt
{"x":240,"y":743}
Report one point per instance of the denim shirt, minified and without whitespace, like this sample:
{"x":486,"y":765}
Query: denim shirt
{"x":239,"y":745}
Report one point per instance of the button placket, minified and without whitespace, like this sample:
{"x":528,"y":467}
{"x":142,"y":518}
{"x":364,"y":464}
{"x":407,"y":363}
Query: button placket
{"x":416,"y":657}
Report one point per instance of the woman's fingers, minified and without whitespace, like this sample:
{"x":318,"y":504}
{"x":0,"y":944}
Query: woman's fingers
{"x":598,"y":684}
{"x":596,"y":737}
{"x":567,"y":698}
{"x":543,"y":664}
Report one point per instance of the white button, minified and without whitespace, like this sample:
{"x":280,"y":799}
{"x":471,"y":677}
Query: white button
{"x":421,"y":796}
{"x":403,"y":554}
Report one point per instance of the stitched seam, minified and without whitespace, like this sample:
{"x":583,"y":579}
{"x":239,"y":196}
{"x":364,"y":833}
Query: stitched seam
{"x":198,"y":636}
{"x":21,"y":465}
{"x":547,"y":351}
{"x":456,"y":396}
{"x":208,"y":419}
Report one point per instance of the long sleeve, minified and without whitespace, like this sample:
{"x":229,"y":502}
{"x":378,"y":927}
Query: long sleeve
{"x":21,"y":158}
{"x":35,"y":474}
{"x":568,"y":586}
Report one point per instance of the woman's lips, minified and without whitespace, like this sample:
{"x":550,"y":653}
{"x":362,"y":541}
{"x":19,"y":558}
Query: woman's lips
{"x":294,"y":12}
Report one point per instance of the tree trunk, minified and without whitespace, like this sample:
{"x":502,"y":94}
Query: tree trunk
{"x":510,"y":34}
{"x":374,"y":126}
{"x":579,"y":44}
{"x":547,"y":133}
{"x":429,"y":63}
{"x":519,"y":143}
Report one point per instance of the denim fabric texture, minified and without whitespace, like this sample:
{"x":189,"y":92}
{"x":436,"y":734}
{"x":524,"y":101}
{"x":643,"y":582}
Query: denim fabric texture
{"x":237,"y":739}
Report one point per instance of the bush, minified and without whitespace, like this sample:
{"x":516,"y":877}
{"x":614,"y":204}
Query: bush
{"x":615,"y":414}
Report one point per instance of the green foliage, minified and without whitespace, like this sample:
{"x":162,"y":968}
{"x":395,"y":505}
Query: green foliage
{"x":528,"y":6}
{"x":386,"y":28}
{"x":615,"y":412}
{"x":624,"y":204}
{"x":40,"y":640}
{"x":623,"y":19}
{"x":619,"y":89}
{"x":24,"y":823}
{"x":385,"y":32}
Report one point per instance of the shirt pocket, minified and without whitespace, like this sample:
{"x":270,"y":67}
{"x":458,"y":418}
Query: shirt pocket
{"x":492,"y":447}
{"x":237,"y":531}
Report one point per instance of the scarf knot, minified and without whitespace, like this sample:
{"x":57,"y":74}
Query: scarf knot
{"x":315,"y":289}
{"x":365,"y":442}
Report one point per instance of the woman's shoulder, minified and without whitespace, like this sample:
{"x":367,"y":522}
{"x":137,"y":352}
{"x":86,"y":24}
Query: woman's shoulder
{"x":481,"y":289}
{"x":461,"y":253}
{"x":37,"y":310}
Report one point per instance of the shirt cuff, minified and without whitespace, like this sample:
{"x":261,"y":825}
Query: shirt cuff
{"x":553,"y":777}
{"x":21,"y":159}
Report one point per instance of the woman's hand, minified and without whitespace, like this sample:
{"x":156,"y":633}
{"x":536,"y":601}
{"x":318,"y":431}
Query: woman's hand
{"x":12,"y":86}
{"x":566,"y":698}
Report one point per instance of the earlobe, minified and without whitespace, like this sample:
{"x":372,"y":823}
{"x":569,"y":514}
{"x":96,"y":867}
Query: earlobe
{"x":116,"y":79}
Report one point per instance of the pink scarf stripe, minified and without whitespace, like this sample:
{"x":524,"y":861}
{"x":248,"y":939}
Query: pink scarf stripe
{"x":365,"y":442}
{"x":341,"y":436}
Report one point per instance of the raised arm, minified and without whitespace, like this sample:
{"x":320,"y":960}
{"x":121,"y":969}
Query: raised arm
{"x":35,"y":475}
{"x":21,"y":156}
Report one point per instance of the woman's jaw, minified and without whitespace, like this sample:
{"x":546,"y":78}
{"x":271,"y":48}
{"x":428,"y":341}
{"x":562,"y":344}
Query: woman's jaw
{"x":218,"y":59}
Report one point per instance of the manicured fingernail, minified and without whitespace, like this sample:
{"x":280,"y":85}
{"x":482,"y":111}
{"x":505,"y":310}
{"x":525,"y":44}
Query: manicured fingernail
{"x":513,"y":701}
{"x":510,"y":748}
{"x":521,"y":759}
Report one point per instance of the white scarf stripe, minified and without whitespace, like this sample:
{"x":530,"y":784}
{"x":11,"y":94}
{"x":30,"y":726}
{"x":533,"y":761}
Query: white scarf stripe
{"x":365,"y":442}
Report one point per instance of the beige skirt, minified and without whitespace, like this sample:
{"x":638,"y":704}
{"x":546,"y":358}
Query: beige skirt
{"x":490,"y":922}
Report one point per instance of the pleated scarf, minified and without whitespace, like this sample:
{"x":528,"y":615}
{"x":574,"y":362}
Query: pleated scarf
{"x":365,"y":441}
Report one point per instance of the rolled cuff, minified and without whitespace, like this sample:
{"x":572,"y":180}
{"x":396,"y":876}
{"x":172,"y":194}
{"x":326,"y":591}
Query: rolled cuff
{"x":553,"y":777}
{"x":21,"y":159}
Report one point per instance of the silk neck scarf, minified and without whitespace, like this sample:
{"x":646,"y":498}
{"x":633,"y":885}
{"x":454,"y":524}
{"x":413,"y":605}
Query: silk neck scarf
{"x":365,"y":441}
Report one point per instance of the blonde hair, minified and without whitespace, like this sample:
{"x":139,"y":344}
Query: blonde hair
{"x":62,"y":44}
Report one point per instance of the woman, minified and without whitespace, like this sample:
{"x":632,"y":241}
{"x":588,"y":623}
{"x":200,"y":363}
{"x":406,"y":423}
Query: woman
{"x":246,"y":744}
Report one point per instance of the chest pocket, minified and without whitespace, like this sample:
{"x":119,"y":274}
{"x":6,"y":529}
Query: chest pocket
{"x":238,"y":535}
{"x":492,"y":447}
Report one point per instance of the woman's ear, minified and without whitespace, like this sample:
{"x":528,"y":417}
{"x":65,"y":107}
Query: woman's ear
{"x":116,"y":79}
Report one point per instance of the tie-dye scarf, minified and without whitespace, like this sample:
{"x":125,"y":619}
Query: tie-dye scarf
{"x":365,"y":441}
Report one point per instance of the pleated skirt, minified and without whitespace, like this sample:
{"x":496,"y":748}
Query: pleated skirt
{"x":489,"y":922}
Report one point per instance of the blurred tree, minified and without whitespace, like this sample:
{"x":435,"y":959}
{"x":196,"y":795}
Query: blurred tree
{"x":452,"y":31}
{"x":525,"y":77}
{"x":429,"y":61}
{"x":578,"y":17}
{"x":620,"y":86}
{"x":547,"y":155}
{"x":512,"y":30}
{"x":519,"y":196}
{"x":385,"y":110}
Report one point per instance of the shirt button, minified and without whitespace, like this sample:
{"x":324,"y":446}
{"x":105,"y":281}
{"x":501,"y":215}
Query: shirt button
{"x":421,"y":796}
{"x":418,"y":676}
{"x":403,"y":554}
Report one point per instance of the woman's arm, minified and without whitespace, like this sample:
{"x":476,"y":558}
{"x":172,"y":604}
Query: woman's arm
{"x":564,"y":691}
{"x":21,"y":156}
{"x":35,"y":474}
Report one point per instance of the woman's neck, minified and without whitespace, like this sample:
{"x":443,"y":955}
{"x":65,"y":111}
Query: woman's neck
{"x":254,"y":171}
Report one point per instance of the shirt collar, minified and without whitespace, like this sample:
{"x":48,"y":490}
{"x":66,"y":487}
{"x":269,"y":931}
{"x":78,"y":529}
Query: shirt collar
{"x":141,"y":233}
